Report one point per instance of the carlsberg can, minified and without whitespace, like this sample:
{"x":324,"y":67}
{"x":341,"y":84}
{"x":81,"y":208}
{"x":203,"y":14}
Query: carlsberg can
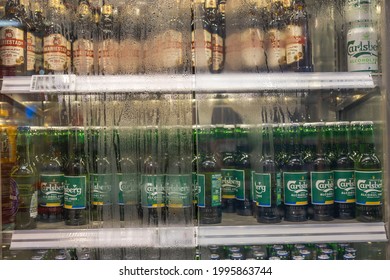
{"x":362,"y":47}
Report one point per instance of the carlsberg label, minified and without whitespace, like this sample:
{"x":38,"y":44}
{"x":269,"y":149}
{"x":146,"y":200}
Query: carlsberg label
{"x":362,"y":48}
{"x":344,"y":186}
{"x":295,"y":186}
{"x":128,"y":189}
{"x":228,"y":183}
{"x":178,"y":189}
{"x":262,"y":189}
{"x":322,"y":189}
{"x":75,"y":192}
{"x":152,"y":191}
{"x":101,"y":189}
{"x":369,"y":188}
{"x":51,"y":191}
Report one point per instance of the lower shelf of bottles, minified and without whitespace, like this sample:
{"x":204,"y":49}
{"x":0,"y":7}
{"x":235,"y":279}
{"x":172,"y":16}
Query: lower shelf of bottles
{"x":231,"y":231}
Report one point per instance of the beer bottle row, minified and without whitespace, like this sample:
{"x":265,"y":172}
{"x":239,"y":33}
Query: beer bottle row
{"x":165,"y":37}
{"x":142,"y":176}
{"x":290,"y":172}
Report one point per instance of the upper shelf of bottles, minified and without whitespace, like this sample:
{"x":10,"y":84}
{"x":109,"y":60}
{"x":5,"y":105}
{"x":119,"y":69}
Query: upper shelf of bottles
{"x":200,"y":83}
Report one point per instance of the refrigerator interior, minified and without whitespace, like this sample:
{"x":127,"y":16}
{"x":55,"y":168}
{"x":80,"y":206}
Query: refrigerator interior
{"x":152,"y":117}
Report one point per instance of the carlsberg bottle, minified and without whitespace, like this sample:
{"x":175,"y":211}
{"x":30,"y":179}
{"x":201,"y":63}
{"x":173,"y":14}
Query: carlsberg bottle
{"x":321,"y":180}
{"x":368,"y":178}
{"x":266,"y":190}
{"x":344,"y":173}
{"x":209,"y":181}
{"x":362,"y":47}
{"x":295,"y":179}
{"x":76,"y":182}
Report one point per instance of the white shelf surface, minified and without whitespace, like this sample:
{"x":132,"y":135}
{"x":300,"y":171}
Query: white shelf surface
{"x":200,"y":83}
{"x":203,"y":235}
{"x":292,"y":233}
{"x":104,"y":238}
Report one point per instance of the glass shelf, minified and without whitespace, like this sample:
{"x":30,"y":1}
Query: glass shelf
{"x":200,"y":83}
{"x":309,"y":232}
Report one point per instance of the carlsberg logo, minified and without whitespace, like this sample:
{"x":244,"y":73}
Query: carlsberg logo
{"x":73,"y":190}
{"x":260,"y":188}
{"x":359,"y":48}
{"x":98,"y":188}
{"x":297,"y":186}
{"x":153,"y":189}
{"x":324,"y":185}
{"x":126,"y":187}
{"x":369,"y":185}
{"x":345,"y":184}
{"x":51,"y":188}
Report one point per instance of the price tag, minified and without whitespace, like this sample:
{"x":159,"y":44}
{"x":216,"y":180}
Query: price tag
{"x":53,"y":83}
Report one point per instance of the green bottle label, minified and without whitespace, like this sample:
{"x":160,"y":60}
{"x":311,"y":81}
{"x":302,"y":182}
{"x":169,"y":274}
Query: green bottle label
{"x":101,"y":189}
{"x":178,"y":188}
{"x":212,"y":181}
{"x":128,"y":189}
{"x":152,"y":191}
{"x":344,"y":186}
{"x":295,"y":186}
{"x":239,"y":179}
{"x":262,"y":186}
{"x":201,"y":186}
{"x":368,"y":187}
{"x":51,"y":191}
{"x":229,"y":185}
{"x":322,"y":188}
{"x":75,"y":192}
{"x":216,"y":190}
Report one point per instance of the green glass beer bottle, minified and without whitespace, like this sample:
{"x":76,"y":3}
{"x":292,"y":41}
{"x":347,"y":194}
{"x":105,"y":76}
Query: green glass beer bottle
{"x":178,"y":179}
{"x":321,"y":179}
{"x":295,"y":178}
{"x":127,"y":178}
{"x":76,"y":201}
{"x":368,"y":177}
{"x":242,"y":173}
{"x":24,"y":179}
{"x":51,"y":183}
{"x":209,"y":181}
{"x":152,"y":181}
{"x":344,"y":173}
{"x":226,"y":149}
{"x":101,"y":180}
{"x":266,"y":189}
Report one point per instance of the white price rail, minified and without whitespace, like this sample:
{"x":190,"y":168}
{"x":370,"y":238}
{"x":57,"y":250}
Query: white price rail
{"x":199,"y":83}
{"x":104,"y":238}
